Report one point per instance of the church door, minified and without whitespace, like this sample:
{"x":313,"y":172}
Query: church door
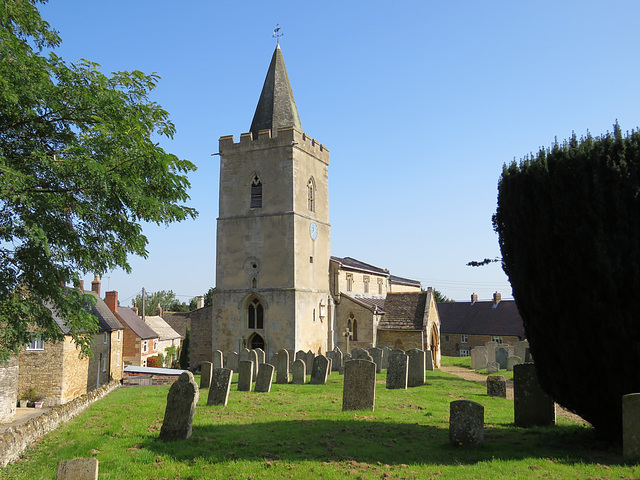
{"x":256,"y":342}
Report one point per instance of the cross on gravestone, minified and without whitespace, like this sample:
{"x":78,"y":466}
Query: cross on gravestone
{"x":347,"y":336}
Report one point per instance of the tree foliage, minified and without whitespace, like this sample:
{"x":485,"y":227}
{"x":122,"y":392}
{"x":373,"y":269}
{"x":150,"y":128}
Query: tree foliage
{"x":185,"y":350}
{"x":569,"y":226}
{"x":165,"y":298}
{"x":441,"y":298}
{"x":80,"y":170}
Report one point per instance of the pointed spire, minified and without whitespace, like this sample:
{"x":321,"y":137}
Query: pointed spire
{"x":276,"y":107}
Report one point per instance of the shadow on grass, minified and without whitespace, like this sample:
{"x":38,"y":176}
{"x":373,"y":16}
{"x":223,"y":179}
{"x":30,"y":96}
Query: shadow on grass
{"x":374,"y":441}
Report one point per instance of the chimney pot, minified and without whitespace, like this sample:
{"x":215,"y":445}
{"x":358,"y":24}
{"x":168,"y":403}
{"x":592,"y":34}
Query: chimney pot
{"x":200,"y":301}
{"x":159,"y":310}
{"x":496,"y":298}
{"x":135,"y":308}
{"x":95,"y":285}
{"x":474,"y":297}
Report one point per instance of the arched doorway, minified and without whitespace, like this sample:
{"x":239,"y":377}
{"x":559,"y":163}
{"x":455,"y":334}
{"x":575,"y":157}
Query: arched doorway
{"x":256,"y":341}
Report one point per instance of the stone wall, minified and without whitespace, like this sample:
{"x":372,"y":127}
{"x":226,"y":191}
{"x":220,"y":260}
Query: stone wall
{"x":404,"y":340}
{"x":8,"y":390}
{"x":74,"y":372}
{"x":16,"y":439}
{"x":201,"y":332}
{"x":137,"y":379}
{"x":42,"y":370}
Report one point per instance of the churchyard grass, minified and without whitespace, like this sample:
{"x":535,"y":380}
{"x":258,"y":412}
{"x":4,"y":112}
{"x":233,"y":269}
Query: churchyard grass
{"x":465,"y":362}
{"x":300,"y":431}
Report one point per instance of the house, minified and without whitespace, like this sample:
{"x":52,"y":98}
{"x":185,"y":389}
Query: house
{"x":58,"y":373}
{"x":466,"y":325}
{"x":140,"y":341}
{"x":168,"y":339}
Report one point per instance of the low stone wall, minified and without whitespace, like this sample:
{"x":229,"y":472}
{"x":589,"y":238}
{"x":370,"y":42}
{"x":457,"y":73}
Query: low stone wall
{"x":16,"y":439}
{"x":146,"y":380}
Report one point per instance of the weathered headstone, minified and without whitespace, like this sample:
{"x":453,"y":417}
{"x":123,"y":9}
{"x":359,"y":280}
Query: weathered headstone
{"x":512,"y":361}
{"x":320,"y":370}
{"x":181,"y":406}
{"x":359,"y":390}
{"x":244,"y":355}
{"x":282,"y":370}
{"x":479,"y":358}
{"x":265,"y":378}
{"x":232,"y":361}
{"x":416,"y":368}
{"x":77,"y":469}
{"x":360,"y":353}
{"x":220,"y":386}
{"x":218,"y":359}
{"x":245,"y":376}
{"x":493,"y":367}
{"x":386,"y":351}
{"x":531,"y":405}
{"x":466,"y":423}
{"x":501,"y":357}
{"x":309,"y":360}
{"x":429,"y":365}
{"x":521,"y":349}
{"x":491,"y":351}
{"x":376,"y":355}
{"x":300,"y":355}
{"x":253,"y":357}
{"x":206,"y":370}
{"x":496,"y":386}
{"x":631,"y":427}
{"x":299,"y":372}
{"x":397,"y":371}
{"x":274,"y":360}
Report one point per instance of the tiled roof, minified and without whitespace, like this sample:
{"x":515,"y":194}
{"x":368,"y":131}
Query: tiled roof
{"x":107,"y":322}
{"x":404,"y":311}
{"x":349,"y":263}
{"x":131,"y":318}
{"x":480,"y":318}
{"x":179,"y":321}
{"x":371,"y":301}
{"x":162,"y":328}
{"x":404,"y":281}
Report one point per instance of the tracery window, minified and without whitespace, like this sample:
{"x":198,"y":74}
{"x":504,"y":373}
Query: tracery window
{"x":255,"y":314}
{"x":352,"y":325}
{"x":256,"y":192}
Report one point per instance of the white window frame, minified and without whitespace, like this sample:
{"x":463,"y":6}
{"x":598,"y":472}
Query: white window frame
{"x":465,"y":352}
{"x":464,"y":338}
{"x":155,"y":344}
{"x":349,"y":282}
{"x":496,"y":339}
{"x":145,"y":346}
{"x":105,"y":338}
{"x":36,"y":344}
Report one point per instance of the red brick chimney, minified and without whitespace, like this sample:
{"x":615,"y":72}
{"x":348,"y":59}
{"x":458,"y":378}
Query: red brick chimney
{"x":496,"y":298}
{"x":95,"y":285}
{"x":80,"y":285}
{"x":111,"y":299}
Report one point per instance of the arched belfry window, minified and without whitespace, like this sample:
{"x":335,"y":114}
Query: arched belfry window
{"x":311,"y":195}
{"x":256,"y":192}
{"x":352,"y":325}
{"x":255,"y":315}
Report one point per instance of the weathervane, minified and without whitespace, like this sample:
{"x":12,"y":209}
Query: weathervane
{"x":277,"y":34}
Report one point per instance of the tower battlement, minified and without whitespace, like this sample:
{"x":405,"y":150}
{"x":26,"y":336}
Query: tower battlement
{"x":286,"y":136}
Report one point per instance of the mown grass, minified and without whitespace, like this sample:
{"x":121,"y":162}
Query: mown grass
{"x":300,"y":431}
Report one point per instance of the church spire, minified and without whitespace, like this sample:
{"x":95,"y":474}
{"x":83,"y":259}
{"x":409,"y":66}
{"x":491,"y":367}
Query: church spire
{"x":276,"y":107}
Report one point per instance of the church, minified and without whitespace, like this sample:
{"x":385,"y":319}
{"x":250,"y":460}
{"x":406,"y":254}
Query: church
{"x":277,"y":285}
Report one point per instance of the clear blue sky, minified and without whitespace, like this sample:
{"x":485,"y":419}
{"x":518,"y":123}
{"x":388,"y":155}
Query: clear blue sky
{"x":420,"y":104}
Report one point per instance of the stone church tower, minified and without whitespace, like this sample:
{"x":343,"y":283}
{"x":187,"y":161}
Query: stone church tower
{"x":273,"y":232}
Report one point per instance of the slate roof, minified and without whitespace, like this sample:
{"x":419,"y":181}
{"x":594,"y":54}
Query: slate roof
{"x":481,"y":318}
{"x":107,"y":322}
{"x":276,"y":106}
{"x":373,"y":302}
{"x":404,"y":281}
{"x":179,"y":321}
{"x":162,"y":328}
{"x":404,"y":311}
{"x":135,"y":323}
{"x":349,"y":263}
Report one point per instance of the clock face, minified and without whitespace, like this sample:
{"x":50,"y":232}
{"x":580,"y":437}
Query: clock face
{"x":313,"y":230}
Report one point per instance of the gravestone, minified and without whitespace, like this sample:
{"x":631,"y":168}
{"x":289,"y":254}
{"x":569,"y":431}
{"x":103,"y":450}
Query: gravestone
{"x":299,"y":372}
{"x":345,"y":358}
{"x":206,"y":369}
{"x":262,"y":357}
{"x":232,"y":361}
{"x":397,"y":372}
{"x":429,"y":365}
{"x":245,"y":376}
{"x":292,"y":357}
{"x":631,"y":427}
{"x":359,"y":390}
{"x":300,"y":355}
{"x":218,"y":360}
{"x":309,"y":360}
{"x":416,"y":368}
{"x":493,"y":367}
{"x":181,"y":406}
{"x":491,"y":351}
{"x":320,"y":370}
{"x":496,"y":386}
{"x":282,"y":370}
{"x":531,"y":405}
{"x":479,"y":358}
{"x":244,"y":355}
{"x":337,"y":360}
{"x":220,"y":386}
{"x":360,"y":354}
{"x":265,"y":378}
{"x":274,"y":360}
{"x":521,"y":349}
{"x":376,"y":355}
{"x":386,"y":351}
{"x":501,"y":357}
{"x":253,"y":358}
{"x":513,"y":361}
{"x":466,"y":423}
{"x":77,"y":469}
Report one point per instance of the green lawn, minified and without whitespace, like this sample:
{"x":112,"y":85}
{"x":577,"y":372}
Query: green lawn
{"x":300,"y":431}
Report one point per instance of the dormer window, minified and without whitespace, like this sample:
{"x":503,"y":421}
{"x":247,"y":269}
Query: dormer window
{"x":256,"y":192}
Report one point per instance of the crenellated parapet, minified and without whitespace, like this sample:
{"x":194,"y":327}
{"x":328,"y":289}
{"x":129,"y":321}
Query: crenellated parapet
{"x":286,"y":136}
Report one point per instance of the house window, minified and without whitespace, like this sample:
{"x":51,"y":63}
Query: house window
{"x":496,"y":339}
{"x":118,"y":335}
{"x":105,"y":338}
{"x":379,"y":286}
{"x":314,"y":315}
{"x":256,"y":192}
{"x":145,"y":347}
{"x":366,"y":281}
{"x":255,"y":314}
{"x":352,"y":325}
{"x":311,"y":197}
{"x":464,"y":352}
{"x":349,"y":282}
{"x":36,"y":343}
{"x":155,"y":344}
{"x":464,"y":339}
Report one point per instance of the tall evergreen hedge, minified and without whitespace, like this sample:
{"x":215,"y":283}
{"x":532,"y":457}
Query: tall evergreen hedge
{"x":568,"y":220}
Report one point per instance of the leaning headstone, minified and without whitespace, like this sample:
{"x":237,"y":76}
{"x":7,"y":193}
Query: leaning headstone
{"x":245,"y":376}
{"x":397,"y":372}
{"x":376,"y":355}
{"x":531,"y":405}
{"x":496,"y":386}
{"x":493,"y":367}
{"x":220,"y":386}
{"x":206,"y":369}
{"x":416,"y":368}
{"x":282,"y":370}
{"x":320,"y":370}
{"x":299,"y":372}
{"x":466,"y":423}
{"x":513,"y":361}
{"x":359,"y":390}
{"x":631,"y":427}
{"x":479,"y":358}
{"x":253,"y":358}
{"x":265,"y":378}
{"x":218,"y":360}
{"x":386,"y":351}
{"x":501,"y":357}
{"x":78,"y":469}
{"x":330,"y":366}
{"x":429,"y":359}
{"x":232,"y":361}
{"x":181,"y":406}
{"x":491,"y":351}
